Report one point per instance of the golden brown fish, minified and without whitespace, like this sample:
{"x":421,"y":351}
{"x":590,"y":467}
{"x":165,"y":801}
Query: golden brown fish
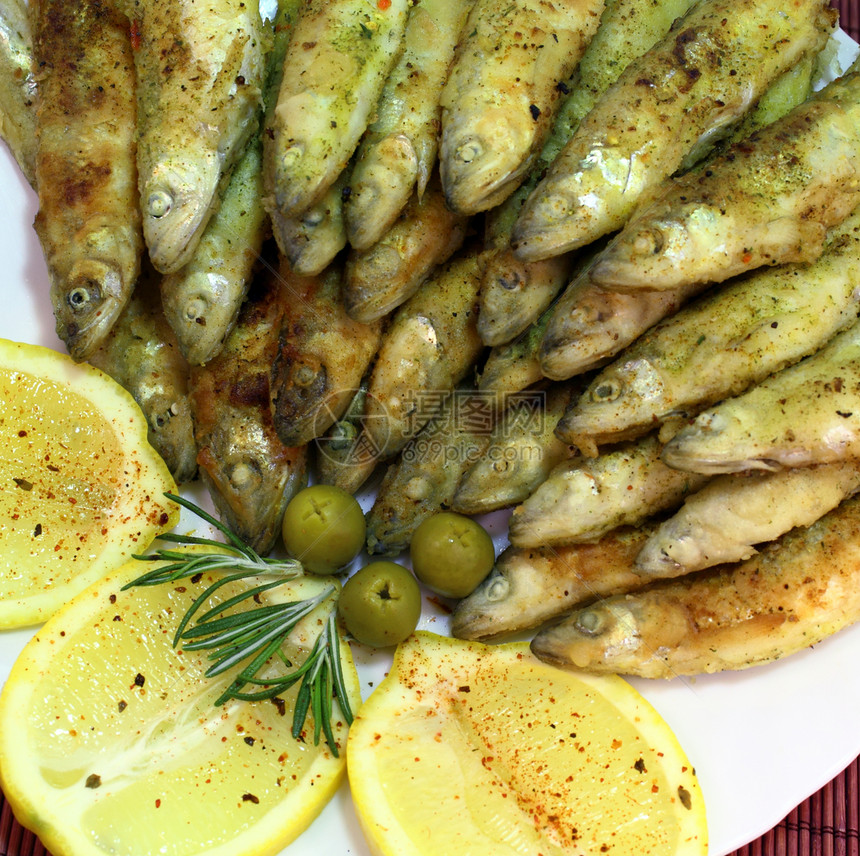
{"x":503,"y":91}
{"x":808,"y":413}
{"x":200,"y":77}
{"x":397,"y":154}
{"x":724,"y":342}
{"x":531,"y":585}
{"x":322,"y":356}
{"x":89,"y":218}
{"x":339,"y":56}
{"x":583,"y":499}
{"x":251,"y":475}
{"x":142,"y":355}
{"x":430,"y":345}
{"x":665,"y":111}
{"x":380,"y":278}
{"x":770,"y":199}
{"x":795,"y":593}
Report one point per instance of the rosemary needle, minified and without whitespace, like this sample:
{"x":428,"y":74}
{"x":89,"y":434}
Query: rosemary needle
{"x":255,"y":635}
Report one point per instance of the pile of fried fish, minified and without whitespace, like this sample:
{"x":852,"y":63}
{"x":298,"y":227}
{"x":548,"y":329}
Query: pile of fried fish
{"x":595,"y":263}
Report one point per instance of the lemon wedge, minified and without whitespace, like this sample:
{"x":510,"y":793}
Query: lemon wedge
{"x":82,"y":489}
{"x":110,"y":742}
{"x":473,"y":749}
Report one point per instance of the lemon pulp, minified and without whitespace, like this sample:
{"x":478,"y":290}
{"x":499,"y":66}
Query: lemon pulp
{"x":474,"y":749}
{"x":83,"y":489}
{"x":110,"y":741}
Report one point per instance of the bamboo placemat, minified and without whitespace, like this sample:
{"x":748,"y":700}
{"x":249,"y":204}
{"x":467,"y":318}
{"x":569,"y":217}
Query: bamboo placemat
{"x":826,"y":824}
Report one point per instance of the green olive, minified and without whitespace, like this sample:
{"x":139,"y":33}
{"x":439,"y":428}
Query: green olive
{"x":323,"y":528}
{"x":451,"y":553}
{"x":380,"y":604}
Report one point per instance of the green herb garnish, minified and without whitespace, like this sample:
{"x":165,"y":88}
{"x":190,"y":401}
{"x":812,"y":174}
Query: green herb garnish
{"x":233,"y":635}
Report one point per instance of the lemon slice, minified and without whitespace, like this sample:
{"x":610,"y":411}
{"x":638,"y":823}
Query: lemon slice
{"x":82,"y":489}
{"x":110,"y":742}
{"x":470,"y":748}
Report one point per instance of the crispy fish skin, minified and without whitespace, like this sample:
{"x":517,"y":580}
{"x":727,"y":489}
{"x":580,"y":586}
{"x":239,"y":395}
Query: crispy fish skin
{"x":18,"y":86}
{"x":398,"y":152}
{"x":200,"y":77}
{"x":530,"y":586}
{"x":142,"y":355}
{"x":795,"y":593}
{"x":769,"y":200}
{"x":806,"y":414}
{"x":422,"y":481}
{"x":724,"y":342}
{"x":322,"y":356}
{"x":589,"y":325}
{"x":338,"y":59}
{"x":429,"y":346}
{"x":89,"y":219}
{"x":514,"y":292}
{"x":382,"y":277}
{"x":583,"y":499}
{"x":202,"y":300}
{"x":724,"y":520}
{"x":502,"y":92}
{"x":250,"y":474}
{"x":685,"y":92}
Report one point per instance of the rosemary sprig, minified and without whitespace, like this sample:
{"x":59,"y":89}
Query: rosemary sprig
{"x":255,"y":635}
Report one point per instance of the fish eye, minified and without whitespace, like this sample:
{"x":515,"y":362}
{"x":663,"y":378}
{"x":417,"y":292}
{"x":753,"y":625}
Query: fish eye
{"x":303,"y":376}
{"x":292,"y":155}
{"x":195,"y":310}
{"x":159,"y":203}
{"x":244,"y":475}
{"x":648,"y":242}
{"x":511,"y":283}
{"x":607,"y":390}
{"x":497,"y":588}
{"x":80,"y":297}
{"x":343,"y":435}
{"x":591,"y":622}
{"x":468,"y":151}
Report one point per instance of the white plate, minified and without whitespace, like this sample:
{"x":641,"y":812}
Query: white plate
{"x":761,"y":740}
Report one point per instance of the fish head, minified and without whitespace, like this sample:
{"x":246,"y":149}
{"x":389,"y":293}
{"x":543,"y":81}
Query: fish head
{"x":203,"y":294}
{"x":178,"y":196}
{"x":624,"y":396}
{"x":481,"y":167}
{"x":171,"y":432}
{"x":604,"y":633}
{"x":474,"y":616}
{"x":87,"y":302}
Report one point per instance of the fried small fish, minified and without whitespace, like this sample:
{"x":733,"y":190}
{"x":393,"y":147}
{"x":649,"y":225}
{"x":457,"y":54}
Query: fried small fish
{"x":422,"y":480}
{"x":250,"y":474}
{"x":521,"y":453}
{"x":770,"y":199}
{"x":724,"y":520}
{"x":532,"y":585}
{"x":18,"y":86}
{"x":200,"y":77}
{"x":514,"y":292}
{"x":795,"y":593}
{"x":502,"y":92}
{"x":726,"y":341}
{"x":589,"y":325}
{"x":665,"y":112}
{"x":397,"y":153}
{"x":583,"y":499}
{"x":322,"y":355}
{"x":429,"y":346}
{"x":202,"y":300}
{"x":808,"y":413}
{"x":88,"y":221}
{"x":380,"y":278}
{"x":339,"y":56}
{"x":142,"y":355}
